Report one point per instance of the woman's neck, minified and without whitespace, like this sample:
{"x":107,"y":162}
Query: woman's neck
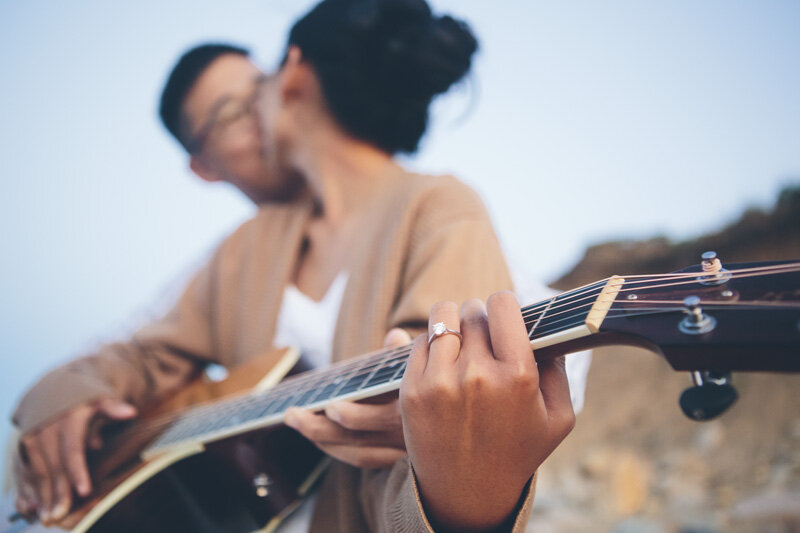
{"x":343,"y":173}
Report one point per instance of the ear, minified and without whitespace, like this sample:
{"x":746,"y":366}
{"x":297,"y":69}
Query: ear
{"x":295,"y":75}
{"x":203,"y":170}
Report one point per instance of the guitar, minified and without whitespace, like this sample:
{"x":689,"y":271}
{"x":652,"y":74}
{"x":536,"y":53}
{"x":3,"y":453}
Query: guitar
{"x":216,"y":457}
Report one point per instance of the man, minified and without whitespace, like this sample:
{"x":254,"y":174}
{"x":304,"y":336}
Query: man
{"x":208,"y":105}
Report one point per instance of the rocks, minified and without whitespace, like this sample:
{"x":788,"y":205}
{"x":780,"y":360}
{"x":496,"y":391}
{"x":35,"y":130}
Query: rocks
{"x":630,"y":479}
{"x":638,"y":525}
{"x":771,"y":509}
{"x":635,"y":463}
{"x":709,"y":437}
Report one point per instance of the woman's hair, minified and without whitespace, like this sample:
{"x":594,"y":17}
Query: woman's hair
{"x":381,"y":62}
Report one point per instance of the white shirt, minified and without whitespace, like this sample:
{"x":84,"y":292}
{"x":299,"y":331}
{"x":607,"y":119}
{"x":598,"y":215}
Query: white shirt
{"x":308,"y":326}
{"x":530,"y":292}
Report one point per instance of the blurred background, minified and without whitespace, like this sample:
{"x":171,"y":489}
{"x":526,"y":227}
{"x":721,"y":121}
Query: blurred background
{"x":652,"y":125}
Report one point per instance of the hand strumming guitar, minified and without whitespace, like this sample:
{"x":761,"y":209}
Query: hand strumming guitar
{"x":366,"y":435}
{"x":51,"y":461}
{"x":480,"y":418}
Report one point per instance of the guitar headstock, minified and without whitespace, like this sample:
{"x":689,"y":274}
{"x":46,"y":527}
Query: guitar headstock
{"x":714,"y":317}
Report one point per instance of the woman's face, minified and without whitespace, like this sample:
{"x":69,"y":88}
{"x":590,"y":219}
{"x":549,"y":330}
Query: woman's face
{"x":275,"y":125}
{"x":293,"y":113}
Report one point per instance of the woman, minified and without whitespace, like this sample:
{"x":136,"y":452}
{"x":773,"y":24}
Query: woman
{"x":377,"y":245}
{"x":353,"y":90}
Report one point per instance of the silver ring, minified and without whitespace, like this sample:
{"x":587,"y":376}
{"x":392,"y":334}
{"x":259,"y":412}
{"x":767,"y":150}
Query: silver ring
{"x":439,"y":330}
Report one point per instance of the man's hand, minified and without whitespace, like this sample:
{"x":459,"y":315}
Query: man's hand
{"x":480,"y":418}
{"x":360,"y":434}
{"x":52,"y":459}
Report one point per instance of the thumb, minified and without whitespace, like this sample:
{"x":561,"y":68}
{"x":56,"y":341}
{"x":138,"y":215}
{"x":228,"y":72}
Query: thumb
{"x":116,"y":409}
{"x":396,"y":337}
{"x":554,"y":387}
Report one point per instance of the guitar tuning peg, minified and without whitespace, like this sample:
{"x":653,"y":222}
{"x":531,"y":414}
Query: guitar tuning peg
{"x":710,"y":262}
{"x":710,"y":396}
{"x":714,"y":274}
{"x":696,"y":322}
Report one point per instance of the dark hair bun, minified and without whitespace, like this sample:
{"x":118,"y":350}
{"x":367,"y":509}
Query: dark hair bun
{"x":422,"y":53}
{"x":380,"y":62}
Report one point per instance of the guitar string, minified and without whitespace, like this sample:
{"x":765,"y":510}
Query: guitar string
{"x":672,"y":275}
{"x":633,"y":305}
{"x":401,"y":352}
{"x":626,"y":314}
{"x":779,"y":268}
{"x":650,"y":277}
{"x":527,"y":315}
{"x":387,"y":355}
{"x":742,"y":304}
{"x":289,"y":382}
{"x":694,"y":276}
{"x":398,"y":354}
{"x":629,"y":313}
{"x":404,"y":350}
{"x":657,"y":286}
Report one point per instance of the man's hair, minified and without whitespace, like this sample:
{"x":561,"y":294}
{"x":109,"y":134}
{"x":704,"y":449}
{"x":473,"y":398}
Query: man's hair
{"x":181,"y":80}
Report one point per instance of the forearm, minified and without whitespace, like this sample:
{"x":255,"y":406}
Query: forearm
{"x":126,"y":371}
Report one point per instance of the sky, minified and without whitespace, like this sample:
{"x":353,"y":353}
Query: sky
{"x":582,"y":121}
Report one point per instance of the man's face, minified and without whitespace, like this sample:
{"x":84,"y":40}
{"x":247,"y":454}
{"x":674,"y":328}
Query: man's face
{"x":222,"y":125}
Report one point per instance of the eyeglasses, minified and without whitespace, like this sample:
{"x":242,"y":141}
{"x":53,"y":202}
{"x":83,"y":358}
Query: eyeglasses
{"x":226,"y":113}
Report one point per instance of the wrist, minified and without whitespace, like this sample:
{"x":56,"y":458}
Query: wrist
{"x":463,"y":506}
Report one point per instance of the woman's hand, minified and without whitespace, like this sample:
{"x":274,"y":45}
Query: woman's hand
{"x":361,"y":434}
{"x":52,"y":459}
{"x":480,"y":418}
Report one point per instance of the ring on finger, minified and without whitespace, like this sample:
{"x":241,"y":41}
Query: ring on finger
{"x":439,"y":330}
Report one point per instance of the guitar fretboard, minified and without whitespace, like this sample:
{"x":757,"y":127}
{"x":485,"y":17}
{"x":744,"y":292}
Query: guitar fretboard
{"x":368,"y":375}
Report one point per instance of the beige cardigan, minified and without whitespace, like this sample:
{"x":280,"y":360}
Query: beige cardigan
{"x":428,"y":239}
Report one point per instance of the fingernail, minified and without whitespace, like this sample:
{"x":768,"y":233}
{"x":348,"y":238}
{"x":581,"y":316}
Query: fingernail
{"x":84,"y":488}
{"x":334,"y":414}
{"x":44,"y":515}
{"x":59,"y":511}
{"x":290,"y":419}
{"x":127,"y":410}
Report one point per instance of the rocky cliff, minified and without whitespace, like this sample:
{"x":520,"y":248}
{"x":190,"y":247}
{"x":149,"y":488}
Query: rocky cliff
{"x":634,"y":463}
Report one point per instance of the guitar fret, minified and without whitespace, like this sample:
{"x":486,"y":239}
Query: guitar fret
{"x":386,"y":372}
{"x":544,"y":312}
{"x":570,"y":310}
{"x":353,"y":384}
{"x":262,"y":402}
{"x":306,"y":397}
{"x":246,"y":414}
{"x":267,"y":405}
{"x":285,"y":404}
{"x":374,"y":370}
{"x":400,"y":370}
{"x":383,"y":375}
{"x":313,"y":394}
{"x":330,"y":389}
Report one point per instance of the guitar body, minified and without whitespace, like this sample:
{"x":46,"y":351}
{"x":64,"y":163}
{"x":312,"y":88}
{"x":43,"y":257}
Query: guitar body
{"x":247,"y":482}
